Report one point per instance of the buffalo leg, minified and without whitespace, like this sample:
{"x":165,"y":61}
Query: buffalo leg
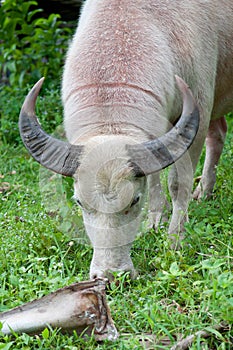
{"x":157,"y":202}
{"x":180,"y":188}
{"x":214,"y":146}
{"x":180,"y":183}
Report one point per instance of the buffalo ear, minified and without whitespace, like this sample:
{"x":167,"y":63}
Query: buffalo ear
{"x":56,"y":155}
{"x":152,"y":156}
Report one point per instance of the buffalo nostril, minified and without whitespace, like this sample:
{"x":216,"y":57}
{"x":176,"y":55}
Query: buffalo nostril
{"x":114,"y":276}
{"x":97,"y":274}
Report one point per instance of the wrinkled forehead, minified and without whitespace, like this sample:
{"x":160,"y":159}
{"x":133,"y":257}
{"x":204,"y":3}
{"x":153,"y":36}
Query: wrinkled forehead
{"x":107,"y":187}
{"x":104,"y":157}
{"x":104,"y":179}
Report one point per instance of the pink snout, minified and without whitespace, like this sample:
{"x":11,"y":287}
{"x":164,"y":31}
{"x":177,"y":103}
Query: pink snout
{"x":107,"y":261}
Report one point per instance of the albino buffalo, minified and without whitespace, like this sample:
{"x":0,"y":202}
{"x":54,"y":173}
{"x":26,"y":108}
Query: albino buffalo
{"x":123,"y":97}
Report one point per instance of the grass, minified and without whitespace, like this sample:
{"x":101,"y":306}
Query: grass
{"x":175,"y":293}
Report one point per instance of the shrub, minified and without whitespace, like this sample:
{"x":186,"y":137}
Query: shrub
{"x":31,"y":47}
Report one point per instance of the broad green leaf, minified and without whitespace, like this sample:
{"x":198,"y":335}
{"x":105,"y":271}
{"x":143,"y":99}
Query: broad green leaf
{"x":45,"y":333}
{"x":174,"y":269}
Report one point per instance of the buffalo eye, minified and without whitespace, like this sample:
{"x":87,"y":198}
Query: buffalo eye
{"x":78,"y":202}
{"x":135,"y":201}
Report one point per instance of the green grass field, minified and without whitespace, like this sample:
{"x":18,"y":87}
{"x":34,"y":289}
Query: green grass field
{"x":176,"y":293}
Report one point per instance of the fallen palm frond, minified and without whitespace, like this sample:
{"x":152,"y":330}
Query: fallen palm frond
{"x":80,"y":307}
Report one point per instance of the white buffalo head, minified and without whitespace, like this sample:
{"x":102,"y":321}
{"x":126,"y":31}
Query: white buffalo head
{"x":109,"y":174}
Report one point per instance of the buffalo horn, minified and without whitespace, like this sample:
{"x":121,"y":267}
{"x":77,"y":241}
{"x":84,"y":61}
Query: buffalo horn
{"x":153,"y":156}
{"x":56,"y":155}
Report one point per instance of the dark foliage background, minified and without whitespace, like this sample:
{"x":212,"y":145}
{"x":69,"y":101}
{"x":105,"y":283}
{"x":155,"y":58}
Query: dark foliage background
{"x":33,"y":43}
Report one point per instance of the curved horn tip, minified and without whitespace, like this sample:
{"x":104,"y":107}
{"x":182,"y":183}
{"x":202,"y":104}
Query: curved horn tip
{"x":36,"y":88}
{"x":189,"y":103}
{"x":39,"y":83}
{"x":181,"y":83}
{"x":30,"y":100}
